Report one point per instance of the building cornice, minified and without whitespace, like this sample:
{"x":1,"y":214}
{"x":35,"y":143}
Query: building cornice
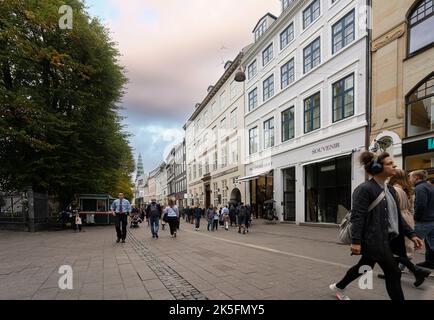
{"x":389,"y":37}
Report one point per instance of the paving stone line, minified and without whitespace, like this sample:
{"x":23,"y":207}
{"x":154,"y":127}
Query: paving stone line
{"x":178,"y":287}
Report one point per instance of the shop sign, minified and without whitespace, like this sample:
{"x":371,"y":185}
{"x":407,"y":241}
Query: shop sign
{"x":326,"y":148}
{"x":431,"y":144}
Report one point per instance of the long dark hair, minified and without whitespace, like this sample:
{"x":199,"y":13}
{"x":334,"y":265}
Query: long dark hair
{"x":367,"y":160}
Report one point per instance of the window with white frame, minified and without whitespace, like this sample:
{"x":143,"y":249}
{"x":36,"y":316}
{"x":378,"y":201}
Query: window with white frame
{"x":253,"y":140}
{"x":215,"y":161}
{"x":224,"y":191}
{"x":223,"y":127}
{"x":287,"y":74}
{"x":312,"y":113}
{"x":206,"y":165}
{"x":288,"y":131}
{"x":286,"y":36}
{"x":252,"y":69}
{"x":268,"y":87}
{"x":312,"y":12}
{"x":224,"y":155}
{"x":234,"y":90}
{"x":200,"y":169}
{"x":267,"y":55}
{"x":234,"y":151}
{"x":234,"y":120}
{"x":269,"y":133}
{"x":253,"y":99}
{"x":343,"y":32}
{"x":223,"y":101}
{"x":343,"y":98}
{"x":312,"y":55}
{"x":215,"y":134}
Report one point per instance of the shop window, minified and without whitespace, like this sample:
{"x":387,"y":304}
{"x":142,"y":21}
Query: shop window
{"x":420,"y":26}
{"x":420,"y":108}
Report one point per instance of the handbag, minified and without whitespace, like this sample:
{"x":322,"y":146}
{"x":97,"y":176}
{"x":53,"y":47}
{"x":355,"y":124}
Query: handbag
{"x":345,"y":226}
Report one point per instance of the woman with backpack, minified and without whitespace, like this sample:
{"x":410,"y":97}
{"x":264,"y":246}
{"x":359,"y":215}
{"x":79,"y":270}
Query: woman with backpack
{"x":377,"y":234}
{"x":171,"y":216}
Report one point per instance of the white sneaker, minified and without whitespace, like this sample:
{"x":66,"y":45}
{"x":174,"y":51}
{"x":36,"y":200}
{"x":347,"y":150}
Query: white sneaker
{"x":340,"y":294}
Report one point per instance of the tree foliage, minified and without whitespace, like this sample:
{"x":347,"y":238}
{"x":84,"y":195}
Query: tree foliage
{"x":60,"y":129}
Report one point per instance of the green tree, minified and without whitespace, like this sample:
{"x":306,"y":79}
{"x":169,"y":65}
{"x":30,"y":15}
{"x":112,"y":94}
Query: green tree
{"x":60,"y":129}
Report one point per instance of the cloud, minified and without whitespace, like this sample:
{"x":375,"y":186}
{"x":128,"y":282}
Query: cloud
{"x":173,"y":50}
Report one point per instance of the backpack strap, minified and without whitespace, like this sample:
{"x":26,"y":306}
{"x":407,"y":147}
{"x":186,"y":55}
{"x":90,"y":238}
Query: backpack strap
{"x":377,"y":201}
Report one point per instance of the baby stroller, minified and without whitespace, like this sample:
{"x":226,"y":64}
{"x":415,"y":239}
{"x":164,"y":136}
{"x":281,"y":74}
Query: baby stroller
{"x":270,"y":211}
{"x":135,"y":221}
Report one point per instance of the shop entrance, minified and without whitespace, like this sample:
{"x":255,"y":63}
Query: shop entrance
{"x":261,"y":190}
{"x":328,"y":190}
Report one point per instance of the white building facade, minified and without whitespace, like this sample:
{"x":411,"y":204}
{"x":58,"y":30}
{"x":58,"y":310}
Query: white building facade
{"x":214,"y":143}
{"x":161,"y":184}
{"x":306,"y":109}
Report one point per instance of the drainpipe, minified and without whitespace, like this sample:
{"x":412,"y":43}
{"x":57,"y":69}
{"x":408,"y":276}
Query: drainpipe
{"x":369,"y":75}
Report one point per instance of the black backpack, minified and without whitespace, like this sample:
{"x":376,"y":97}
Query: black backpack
{"x":154,"y":210}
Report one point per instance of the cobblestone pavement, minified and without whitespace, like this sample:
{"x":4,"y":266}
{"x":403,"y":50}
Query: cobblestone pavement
{"x":271,"y":262}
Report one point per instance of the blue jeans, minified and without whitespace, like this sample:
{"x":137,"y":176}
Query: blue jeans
{"x":209,"y":224}
{"x":155,"y":225}
{"x":425,"y":230}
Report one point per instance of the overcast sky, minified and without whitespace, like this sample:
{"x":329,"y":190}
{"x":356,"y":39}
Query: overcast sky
{"x":173,"y":50}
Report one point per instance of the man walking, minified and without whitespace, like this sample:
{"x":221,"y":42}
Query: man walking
{"x":121,"y":208}
{"x":153,"y":211}
{"x":424,"y":214}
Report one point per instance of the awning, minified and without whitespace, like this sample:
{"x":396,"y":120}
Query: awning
{"x":326,"y":159}
{"x":254,"y":176}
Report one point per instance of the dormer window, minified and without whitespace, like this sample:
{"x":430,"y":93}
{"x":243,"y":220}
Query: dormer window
{"x":286,"y":3}
{"x":261,"y":29}
{"x":264,"y":23}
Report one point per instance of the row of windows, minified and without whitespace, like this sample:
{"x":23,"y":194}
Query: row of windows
{"x":342,"y":36}
{"x":343,"y":33}
{"x":343,"y":107}
{"x":196,"y":170}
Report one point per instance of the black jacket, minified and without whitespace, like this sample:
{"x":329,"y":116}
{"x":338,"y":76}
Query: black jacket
{"x":424,"y":205}
{"x":370,"y":229}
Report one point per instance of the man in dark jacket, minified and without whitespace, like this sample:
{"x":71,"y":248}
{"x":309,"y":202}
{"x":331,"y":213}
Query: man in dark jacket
{"x":153,"y":212}
{"x":424,"y":214}
{"x":197,"y":216}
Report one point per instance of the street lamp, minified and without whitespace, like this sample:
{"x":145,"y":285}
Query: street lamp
{"x":240,"y":75}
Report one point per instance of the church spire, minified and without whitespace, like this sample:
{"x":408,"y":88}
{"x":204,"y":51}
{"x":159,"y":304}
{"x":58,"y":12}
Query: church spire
{"x":140,"y":170}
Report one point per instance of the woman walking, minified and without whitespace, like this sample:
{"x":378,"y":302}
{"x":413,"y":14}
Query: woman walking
{"x":216,"y":219}
{"x":378,"y":229}
{"x":171,"y":214}
{"x":405,"y":195}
